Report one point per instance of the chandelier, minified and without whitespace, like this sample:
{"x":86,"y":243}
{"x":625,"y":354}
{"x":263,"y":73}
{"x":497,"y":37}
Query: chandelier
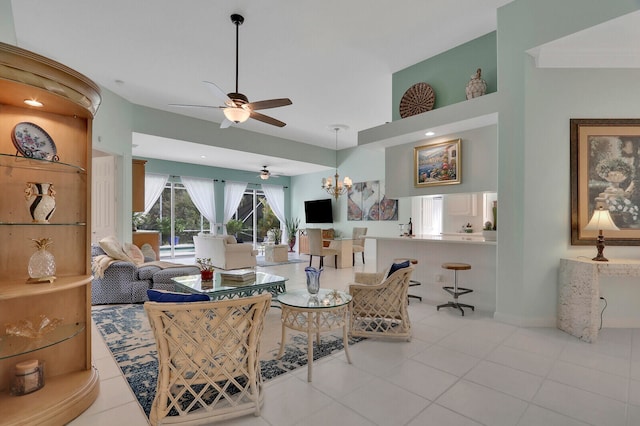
{"x":338,"y":188}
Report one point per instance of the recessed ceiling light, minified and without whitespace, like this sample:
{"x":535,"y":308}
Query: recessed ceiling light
{"x":33,"y":103}
{"x":203,"y":156}
{"x":430,"y":133}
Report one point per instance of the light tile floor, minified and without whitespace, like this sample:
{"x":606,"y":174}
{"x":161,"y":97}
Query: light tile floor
{"x":456,"y":370}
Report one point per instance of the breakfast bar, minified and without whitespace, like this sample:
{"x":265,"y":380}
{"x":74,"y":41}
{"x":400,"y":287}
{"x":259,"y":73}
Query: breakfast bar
{"x":432,"y":251}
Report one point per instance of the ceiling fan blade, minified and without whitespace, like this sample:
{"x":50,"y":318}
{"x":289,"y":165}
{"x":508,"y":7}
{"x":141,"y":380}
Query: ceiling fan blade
{"x":267,"y":119}
{"x":271,"y":103}
{"x":226,"y":123}
{"x":196,"y":106}
{"x":219,"y":93}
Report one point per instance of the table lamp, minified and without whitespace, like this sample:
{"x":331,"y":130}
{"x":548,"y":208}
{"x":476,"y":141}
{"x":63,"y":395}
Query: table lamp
{"x":601,"y":221}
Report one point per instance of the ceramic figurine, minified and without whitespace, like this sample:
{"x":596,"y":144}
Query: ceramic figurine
{"x":476,"y":86}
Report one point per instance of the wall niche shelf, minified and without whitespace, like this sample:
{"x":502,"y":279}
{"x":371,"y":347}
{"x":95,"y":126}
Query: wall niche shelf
{"x":70,"y":102}
{"x":19,"y":161}
{"x":42,"y":224}
{"x":11,"y":345}
{"x":467,"y":115}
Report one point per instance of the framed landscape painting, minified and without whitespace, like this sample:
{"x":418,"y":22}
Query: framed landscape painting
{"x":605,"y":171}
{"x":437,"y":164}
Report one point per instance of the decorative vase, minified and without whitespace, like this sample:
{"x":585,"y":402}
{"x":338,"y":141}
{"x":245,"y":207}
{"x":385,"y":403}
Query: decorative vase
{"x":292,"y":244}
{"x":313,"y":279}
{"x":41,"y":201}
{"x":206,"y":275}
{"x":42,"y":263}
{"x":476,"y":86}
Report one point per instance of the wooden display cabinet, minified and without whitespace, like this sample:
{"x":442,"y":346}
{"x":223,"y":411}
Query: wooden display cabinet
{"x":137,"y":189}
{"x":70,"y":102}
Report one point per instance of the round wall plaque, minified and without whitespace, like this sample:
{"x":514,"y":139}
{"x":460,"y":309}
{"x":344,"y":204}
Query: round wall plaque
{"x":417,"y":99}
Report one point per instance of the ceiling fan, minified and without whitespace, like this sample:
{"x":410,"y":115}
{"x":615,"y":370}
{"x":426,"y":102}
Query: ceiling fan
{"x":266,"y":174}
{"x":237,"y":108}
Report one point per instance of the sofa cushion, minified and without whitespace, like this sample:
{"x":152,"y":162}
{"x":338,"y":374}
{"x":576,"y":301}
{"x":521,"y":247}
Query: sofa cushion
{"x":230,"y":239}
{"x":146,"y":272}
{"x":171,"y":297}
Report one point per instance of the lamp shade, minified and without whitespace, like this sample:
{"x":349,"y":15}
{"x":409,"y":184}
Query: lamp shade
{"x":601,"y":221}
{"x":237,"y":115}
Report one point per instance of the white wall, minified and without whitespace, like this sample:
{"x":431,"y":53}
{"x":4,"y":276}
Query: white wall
{"x":533,"y":148}
{"x":478,"y":157}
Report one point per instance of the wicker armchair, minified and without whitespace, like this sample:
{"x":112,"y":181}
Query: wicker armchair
{"x":208,"y":366}
{"x":379,"y":305}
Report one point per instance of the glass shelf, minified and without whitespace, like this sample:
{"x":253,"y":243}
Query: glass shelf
{"x":11,"y":346}
{"x":42,"y":224}
{"x":10,"y":160}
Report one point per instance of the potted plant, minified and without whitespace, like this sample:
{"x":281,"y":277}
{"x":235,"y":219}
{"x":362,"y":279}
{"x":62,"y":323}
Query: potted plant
{"x":206,"y":268}
{"x":234,"y":226}
{"x":277,"y":235}
{"x":292,"y":226}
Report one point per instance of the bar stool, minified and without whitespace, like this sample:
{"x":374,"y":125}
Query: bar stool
{"x":456,"y":291}
{"x":412,"y":283}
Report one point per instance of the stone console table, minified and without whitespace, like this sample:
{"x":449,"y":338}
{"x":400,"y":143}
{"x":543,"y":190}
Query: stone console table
{"x":579,"y":293}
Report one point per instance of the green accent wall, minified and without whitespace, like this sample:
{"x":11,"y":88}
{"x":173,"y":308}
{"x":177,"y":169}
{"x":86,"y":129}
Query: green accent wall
{"x":449,"y":72}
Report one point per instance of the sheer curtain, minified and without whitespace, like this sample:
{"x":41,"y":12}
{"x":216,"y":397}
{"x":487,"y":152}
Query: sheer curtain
{"x":153,"y":186}
{"x":201,"y":192}
{"x":275,"y":198}
{"x":233,"y":192}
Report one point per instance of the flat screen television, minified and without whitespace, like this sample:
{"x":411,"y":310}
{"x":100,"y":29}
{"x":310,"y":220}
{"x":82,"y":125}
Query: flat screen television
{"x":318,"y":211}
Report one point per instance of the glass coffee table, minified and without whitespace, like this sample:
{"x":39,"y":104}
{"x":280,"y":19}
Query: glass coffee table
{"x":220,"y":288}
{"x":314,"y":314}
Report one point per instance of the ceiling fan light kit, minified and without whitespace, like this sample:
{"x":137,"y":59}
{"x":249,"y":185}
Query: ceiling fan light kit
{"x":237,"y":108}
{"x":237,"y":115}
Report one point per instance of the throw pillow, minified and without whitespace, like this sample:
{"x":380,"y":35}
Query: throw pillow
{"x":230,"y":239}
{"x":114,"y":249}
{"x":171,"y":297}
{"x":134,"y":252}
{"x":396,"y":266}
{"x":148,"y":251}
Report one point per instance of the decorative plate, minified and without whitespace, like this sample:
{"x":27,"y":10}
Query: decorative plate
{"x":417,"y":99}
{"x":32,"y":141}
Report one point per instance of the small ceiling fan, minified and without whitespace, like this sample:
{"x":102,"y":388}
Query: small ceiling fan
{"x":266,"y":174}
{"x":237,"y":108}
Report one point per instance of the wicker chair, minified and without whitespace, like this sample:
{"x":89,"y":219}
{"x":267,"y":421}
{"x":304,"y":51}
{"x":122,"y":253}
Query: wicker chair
{"x":379,"y":305}
{"x":208,"y":366}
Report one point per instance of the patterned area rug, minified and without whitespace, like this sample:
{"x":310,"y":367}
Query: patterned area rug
{"x":126,"y":331}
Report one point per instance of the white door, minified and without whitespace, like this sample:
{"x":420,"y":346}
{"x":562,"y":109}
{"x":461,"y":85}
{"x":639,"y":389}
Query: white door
{"x":103,"y":198}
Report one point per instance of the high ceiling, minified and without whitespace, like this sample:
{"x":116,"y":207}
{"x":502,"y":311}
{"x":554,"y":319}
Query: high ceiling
{"x":333,"y":59}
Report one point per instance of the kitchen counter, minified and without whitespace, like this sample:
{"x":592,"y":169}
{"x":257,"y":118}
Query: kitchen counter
{"x":432,"y":251}
{"x":474,"y":238}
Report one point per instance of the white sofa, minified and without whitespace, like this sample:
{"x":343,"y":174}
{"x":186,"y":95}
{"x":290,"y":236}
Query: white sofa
{"x":224,"y":251}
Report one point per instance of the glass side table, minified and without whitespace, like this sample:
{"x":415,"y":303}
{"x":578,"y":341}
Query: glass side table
{"x":314,"y":314}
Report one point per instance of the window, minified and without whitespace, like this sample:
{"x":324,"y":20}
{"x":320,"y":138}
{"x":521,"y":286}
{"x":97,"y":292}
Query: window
{"x":255,"y":213}
{"x":177,"y":219}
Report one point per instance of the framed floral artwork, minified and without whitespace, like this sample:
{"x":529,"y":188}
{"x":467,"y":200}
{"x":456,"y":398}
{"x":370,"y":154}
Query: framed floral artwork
{"x":605,"y":171}
{"x":437,"y":164}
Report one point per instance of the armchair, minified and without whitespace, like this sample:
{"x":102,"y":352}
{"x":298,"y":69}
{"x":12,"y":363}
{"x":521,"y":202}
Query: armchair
{"x":225,"y":252}
{"x":208,"y":364}
{"x":379,"y":305}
